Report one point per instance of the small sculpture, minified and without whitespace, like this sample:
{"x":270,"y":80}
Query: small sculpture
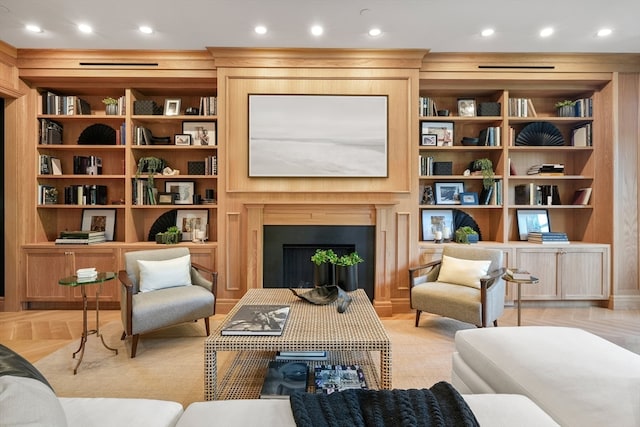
{"x":323,"y":295}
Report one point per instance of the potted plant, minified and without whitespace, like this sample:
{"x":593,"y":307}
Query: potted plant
{"x":150,"y":165}
{"x":566,"y":108}
{"x":347,"y":271}
{"x":467,"y":235}
{"x":485,"y":166}
{"x":169,"y":237}
{"x":324,"y":268}
{"x":111,"y":106}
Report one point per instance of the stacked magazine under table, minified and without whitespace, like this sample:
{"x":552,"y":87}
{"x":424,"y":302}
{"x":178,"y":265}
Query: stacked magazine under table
{"x":314,"y":340}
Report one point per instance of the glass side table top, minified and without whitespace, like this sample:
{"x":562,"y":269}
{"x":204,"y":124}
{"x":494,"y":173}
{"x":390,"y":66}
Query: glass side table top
{"x":73,"y":280}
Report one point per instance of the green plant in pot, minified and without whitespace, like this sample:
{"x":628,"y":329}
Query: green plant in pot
{"x":347,"y":271}
{"x":111,"y":105}
{"x":485,"y":166}
{"x":566,"y":108}
{"x":466,"y":235}
{"x":169,"y":237}
{"x":324,"y":267}
{"x":150,"y":165}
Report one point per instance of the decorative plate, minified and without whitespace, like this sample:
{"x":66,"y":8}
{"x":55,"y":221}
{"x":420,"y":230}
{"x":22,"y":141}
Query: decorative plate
{"x":540,"y":133}
{"x":98,"y":134}
{"x":462,"y":219}
{"x":164,"y":221}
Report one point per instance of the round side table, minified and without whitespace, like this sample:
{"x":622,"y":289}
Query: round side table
{"x":530,"y":281}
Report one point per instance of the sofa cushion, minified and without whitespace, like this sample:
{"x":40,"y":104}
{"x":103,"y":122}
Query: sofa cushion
{"x":11,"y":363}
{"x":228,"y":413}
{"x":28,"y":402}
{"x":117,"y":412}
{"x":170,"y":273}
{"x":464,"y":272}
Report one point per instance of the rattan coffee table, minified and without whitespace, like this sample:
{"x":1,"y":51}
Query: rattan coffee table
{"x":349,"y":338}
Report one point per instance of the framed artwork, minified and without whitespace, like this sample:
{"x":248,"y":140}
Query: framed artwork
{"x":166,"y":198}
{"x":193,"y":223}
{"x":468,"y":198}
{"x":431,"y":218}
{"x":466,"y":107}
{"x":182,"y":139}
{"x":172,"y":107}
{"x":442,"y":130}
{"x":448,"y":193}
{"x":99,"y":220}
{"x":429,"y":139}
{"x":532,"y":220}
{"x":202,"y":133}
{"x":183,"y":191}
{"x":318,"y":135}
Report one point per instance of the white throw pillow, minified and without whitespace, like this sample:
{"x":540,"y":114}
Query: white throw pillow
{"x":464,"y":272}
{"x":29,"y":402}
{"x":168,"y":273}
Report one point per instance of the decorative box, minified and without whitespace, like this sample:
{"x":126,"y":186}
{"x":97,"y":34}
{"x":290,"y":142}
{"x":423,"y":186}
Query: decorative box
{"x":195,"y":168}
{"x":443,"y":168}
{"x":489,"y":109}
{"x":146,"y":107}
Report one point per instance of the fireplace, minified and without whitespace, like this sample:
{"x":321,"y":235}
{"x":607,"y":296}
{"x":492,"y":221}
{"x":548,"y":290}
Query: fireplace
{"x":288,"y":249}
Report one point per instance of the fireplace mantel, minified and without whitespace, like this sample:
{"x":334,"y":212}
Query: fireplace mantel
{"x":373,"y":214}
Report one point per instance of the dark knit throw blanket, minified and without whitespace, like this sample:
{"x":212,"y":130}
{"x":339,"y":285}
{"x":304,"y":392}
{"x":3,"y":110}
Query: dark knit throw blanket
{"x":439,"y":406}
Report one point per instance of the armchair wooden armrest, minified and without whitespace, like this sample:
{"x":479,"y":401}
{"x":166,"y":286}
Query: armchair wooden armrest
{"x":412,"y":271}
{"x":487,"y":281}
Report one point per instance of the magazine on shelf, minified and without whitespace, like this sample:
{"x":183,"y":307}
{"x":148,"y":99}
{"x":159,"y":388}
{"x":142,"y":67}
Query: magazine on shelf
{"x":301,"y":355}
{"x":283,"y":379}
{"x":332,"y":378}
{"x":263,"y":319}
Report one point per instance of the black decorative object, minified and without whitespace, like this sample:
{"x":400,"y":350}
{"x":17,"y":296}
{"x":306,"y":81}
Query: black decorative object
{"x":323,"y":295}
{"x":489,"y":109}
{"x":164,"y":221}
{"x":540,"y":133}
{"x":462,"y":219}
{"x":98,"y":134}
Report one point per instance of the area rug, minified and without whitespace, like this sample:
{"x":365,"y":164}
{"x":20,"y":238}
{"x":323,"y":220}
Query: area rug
{"x":169,"y":364}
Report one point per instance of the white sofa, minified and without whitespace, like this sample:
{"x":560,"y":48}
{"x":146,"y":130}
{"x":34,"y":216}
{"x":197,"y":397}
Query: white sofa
{"x":578,"y":378}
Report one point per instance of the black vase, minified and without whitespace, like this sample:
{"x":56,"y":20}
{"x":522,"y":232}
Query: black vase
{"x":347,"y":277}
{"x":323,"y":274}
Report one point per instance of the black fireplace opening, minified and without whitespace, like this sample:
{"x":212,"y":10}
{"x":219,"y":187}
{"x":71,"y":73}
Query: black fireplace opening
{"x":288,"y":250}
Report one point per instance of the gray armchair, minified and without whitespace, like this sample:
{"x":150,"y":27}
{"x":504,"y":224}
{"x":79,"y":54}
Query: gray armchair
{"x":144,"y":310}
{"x":477,"y":304}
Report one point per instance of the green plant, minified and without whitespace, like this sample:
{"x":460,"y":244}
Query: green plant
{"x":324,"y":256}
{"x":462,"y":234}
{"x":486,"y":167}
{"x":565,"y":103}
{"x":173,"y":229}
{"x":109,"y":101}
{"x":151,"y":165}
{"x":349,"y":259}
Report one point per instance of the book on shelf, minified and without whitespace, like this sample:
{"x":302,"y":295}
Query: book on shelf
{"x":581,"y":136}
{"x":302,"y":355}
{"x":80,"y":237}
{"x":259,"y":319}
{"x":71,"y":241}
{"x":284,"y":378}
{"x":331,"y":378}
{"x":82,"y":234}
{"x":518,"y":274}
{"x":47,"y":194}
{"x":85,"y":195}
{"x":50,"y":132}
{"x":582,"y":196}
{"x":553,"y":237}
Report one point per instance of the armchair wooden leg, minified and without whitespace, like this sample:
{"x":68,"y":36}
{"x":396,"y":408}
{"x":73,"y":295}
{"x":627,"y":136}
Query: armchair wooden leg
{"x":495,"y":323}
{"x":124,"y":335}
{"x":134,"y":345}
{"x":206,"y":325}
{"x":418,"y":312}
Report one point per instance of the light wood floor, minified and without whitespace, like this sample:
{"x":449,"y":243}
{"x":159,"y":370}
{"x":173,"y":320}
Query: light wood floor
{"x":36,"y":334}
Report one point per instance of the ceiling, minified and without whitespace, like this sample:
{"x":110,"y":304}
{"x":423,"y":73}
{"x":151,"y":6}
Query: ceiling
{"x":438,"y":25}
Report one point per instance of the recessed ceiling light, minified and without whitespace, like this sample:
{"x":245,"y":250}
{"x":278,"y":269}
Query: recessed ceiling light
{"x":260,"y":29}
{"x":33,"y":28}
{"x":317,"y":30}
{"x":85,"y":28}
{"x":546,"y":32}
{"x":145,"y":29}
{"x":375,"y":32}
{"x":487,"y":32}
{"x":604,"y":32}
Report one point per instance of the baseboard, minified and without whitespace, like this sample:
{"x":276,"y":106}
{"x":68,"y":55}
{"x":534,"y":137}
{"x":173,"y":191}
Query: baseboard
{"x":624,"y":302}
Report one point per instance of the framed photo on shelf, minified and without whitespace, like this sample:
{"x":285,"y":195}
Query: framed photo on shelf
{"x":442,"y":130}
{"x":172,"y":107}
{"x":183,"y":191}
{"x":466,"y":107}
{"x":431,"y":217}
{"x":468,"y":198}
{"x":532,"y":220}
{"x":166,"y":198}
{"x":202,"y":133}
{"x":193,"y":223}
{"x":448,"y":193}
{"x":182,"y":139}
{"x":99,"y":220}
{"x":429,"y":139}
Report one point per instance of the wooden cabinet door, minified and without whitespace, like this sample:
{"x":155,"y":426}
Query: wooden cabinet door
{"x":43,"y":269}
{"x":584,"y":273}
{"x":541,"y":263}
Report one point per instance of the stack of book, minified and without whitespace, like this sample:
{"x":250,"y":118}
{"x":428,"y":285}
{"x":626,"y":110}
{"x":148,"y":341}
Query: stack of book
{"x":80,"y":237}
{"x":547,"y":169}
{"x":517,"y":274}
{"x":301,"y":355}
{"x":86,"y":274}
{"x":331,"y":378}
{"x":555,"y":238}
